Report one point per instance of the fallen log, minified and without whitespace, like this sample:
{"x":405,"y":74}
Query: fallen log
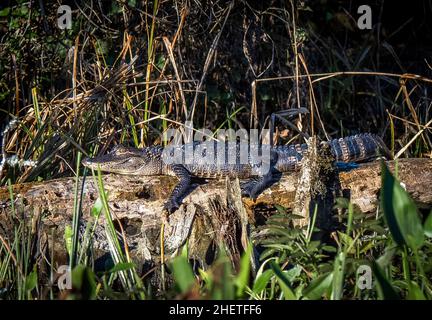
{"x":210,"y":213}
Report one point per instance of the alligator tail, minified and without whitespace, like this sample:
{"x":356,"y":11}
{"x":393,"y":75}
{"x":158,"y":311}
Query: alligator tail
{"x":359,"y":148}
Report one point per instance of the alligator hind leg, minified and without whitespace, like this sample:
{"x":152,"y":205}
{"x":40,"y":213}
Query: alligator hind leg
{"x":180,"y":190}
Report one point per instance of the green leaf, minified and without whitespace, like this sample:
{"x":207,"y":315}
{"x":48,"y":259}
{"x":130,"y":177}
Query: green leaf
{"x":386,"y":259}
{"x":31,"y":280}
{"x":283,"y":282}
{"x":341,"y":203}
{"x":428,"y":226}
{"x":261,"y":281}
{"x":280,"y":209}
{"x":160,"y":61}
{"x":385,"y":288}
{"x":415,"y":293}
{"x":23,"y":11}
{"x":329,"y":249}
{"x":242,"y":278}
{"x":222,"y":274}
{"x":318,"y":286}
{"x":338,"y":276}
{"x":183,"y":274}
{"x":68,"y":237}
{"x":122,"y":266}
{"x":97,"y":208}
{"x":293,"y":273}
{"x":400,"y":212}
{"x":313,"y":246}
{"x":206,"y":277}
{"x":345,"y":239}
{"x":4,"y":12}
{"x":83,"y":280}
{"x":377,"y":228}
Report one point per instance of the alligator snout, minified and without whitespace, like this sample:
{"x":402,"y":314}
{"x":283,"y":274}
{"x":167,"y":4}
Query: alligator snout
{"x":86,"y":162}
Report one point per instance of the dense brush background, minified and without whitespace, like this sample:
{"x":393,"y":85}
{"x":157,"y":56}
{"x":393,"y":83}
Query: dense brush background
{"x":128,"y":70}
{"x":43,"y":79}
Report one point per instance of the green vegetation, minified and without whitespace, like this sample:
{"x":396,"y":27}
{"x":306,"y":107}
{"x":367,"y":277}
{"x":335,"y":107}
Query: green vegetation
{"x":127,"y":72}
{"x":395,"y":247}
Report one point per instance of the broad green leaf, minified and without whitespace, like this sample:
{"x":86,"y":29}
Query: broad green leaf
{"x":242,"y":278}
{"x":287,"y":291}
{"x":400,"y":212}
{"x":280,"y":209}
{"x":415,"y":293}
{"x":185,"y":250}
{"x":318,"y":286}
{"x":329,"y":249}
{"x":97,"y":208}
{"x":428,"y":226}
{"x":183,"y":274}
{"x":122,"y":266}
{"x":283,"y":282}
{"x":293,"y":273}
{"x":346,"y":240}
{"x":342,"y":203}
{"x":31,"y":280}
{"x":206,"y":277}
{"x":313,"y":245}
{"x":262,"y":280}
{"x":222,"y":275}
{"x":83,"y":280}
{"x":338,"y":276}
{"x":384,"y":286}
{"x":4,"y":12}
{"x":386,"y":259}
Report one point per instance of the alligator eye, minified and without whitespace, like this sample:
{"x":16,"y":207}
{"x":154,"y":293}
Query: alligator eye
{"x":130,"y":160}
{"x":115,"y":149}
{"x":119,"y":149}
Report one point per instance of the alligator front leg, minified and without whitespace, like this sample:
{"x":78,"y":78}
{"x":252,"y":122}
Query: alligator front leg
{"x":180,"y":190}
{"x":254,"y":187}
{"x":247,"y":186}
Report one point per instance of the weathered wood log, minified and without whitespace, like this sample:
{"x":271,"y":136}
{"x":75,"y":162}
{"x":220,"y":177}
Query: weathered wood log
{"x":210,"y":212}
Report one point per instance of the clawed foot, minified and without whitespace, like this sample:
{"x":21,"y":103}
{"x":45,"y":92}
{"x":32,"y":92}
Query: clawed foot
{"x":254,"y":194}
{"x":250,"y":194}
{"x":245,"y":193}
{"x":165,"y":217}
{"x":248,"y":190}
{"x":171,"y":205}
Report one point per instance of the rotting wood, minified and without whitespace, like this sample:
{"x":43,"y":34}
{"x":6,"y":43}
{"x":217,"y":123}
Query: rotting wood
{"x":136,"y":202}
{"x":318,"y":186}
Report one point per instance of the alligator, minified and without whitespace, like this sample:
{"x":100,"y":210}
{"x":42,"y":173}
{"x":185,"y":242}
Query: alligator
{"x":157,"y":160}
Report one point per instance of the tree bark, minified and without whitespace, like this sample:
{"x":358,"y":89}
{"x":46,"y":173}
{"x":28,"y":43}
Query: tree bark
{"x":211,"y":213}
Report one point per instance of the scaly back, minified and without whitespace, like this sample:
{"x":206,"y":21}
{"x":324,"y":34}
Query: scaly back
{"x":355,"y":148}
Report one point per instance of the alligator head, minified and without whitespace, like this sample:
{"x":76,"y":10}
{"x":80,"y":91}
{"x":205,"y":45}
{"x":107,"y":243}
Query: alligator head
{"x":126,"y":160}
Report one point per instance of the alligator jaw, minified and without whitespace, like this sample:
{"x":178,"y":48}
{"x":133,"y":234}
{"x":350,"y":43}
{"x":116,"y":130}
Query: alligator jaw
{"x":92,"y":163}
{"x":113,"y":163}
{"x":87,"y":162}
{"x":127,"y":163}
